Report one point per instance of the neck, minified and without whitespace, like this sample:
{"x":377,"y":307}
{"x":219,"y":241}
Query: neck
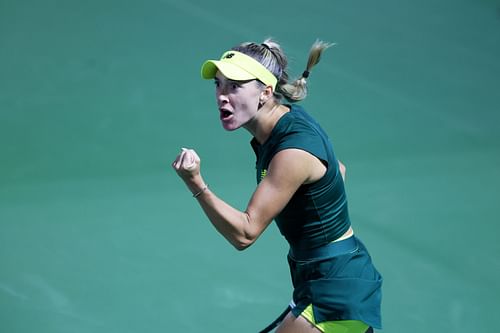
{"x":267,"y":117}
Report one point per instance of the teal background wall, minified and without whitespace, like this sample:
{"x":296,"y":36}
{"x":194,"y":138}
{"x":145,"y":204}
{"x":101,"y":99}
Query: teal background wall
{"x":97,"y":233}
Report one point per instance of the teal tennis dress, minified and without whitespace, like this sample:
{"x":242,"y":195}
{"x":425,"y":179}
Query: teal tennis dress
{"x":337,"y":279}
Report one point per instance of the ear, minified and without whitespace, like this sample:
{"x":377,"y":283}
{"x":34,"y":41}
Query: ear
{"x":266,"y":94}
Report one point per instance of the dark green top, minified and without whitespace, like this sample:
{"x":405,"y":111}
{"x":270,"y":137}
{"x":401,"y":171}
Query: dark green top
{"x":317,"y":213}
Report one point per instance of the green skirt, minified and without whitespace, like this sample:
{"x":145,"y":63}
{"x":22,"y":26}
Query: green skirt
{"x":345,"y":285}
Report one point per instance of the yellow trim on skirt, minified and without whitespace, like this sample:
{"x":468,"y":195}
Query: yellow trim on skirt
{"x":338,"y":326}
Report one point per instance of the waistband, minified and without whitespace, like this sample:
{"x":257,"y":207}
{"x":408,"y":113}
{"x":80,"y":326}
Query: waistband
{"x":332,"y":249}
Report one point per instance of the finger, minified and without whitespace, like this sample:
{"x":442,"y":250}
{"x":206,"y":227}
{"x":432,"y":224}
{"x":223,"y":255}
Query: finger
{"x":182,"y":159}
{"x":174,"y":163}
{"x":179,"y":160}
{"x":196,"y":157}
{"x":189,"y":162}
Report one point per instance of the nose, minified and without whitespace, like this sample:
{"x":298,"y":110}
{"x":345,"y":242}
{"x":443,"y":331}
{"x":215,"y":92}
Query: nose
{"x":222,"y":98}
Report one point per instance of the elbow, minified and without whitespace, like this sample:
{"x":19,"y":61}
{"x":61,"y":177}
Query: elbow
{"x":247,"y":236}
{"x":243,"y":244}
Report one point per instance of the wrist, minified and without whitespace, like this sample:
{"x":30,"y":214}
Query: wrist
{"x":201,"y":191}
{"x":196,"y":186}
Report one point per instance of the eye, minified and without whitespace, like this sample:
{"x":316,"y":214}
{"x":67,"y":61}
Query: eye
{"x":217,"y":83}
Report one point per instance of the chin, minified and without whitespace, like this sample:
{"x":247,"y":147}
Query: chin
{"x":230,"y":127}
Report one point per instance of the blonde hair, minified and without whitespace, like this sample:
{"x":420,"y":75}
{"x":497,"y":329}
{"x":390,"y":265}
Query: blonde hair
{"x":270,"y":54}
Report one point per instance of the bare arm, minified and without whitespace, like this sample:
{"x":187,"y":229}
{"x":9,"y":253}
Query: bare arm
{"x":288,"y":170}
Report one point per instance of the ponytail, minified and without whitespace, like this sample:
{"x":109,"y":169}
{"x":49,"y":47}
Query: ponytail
{"x":297,"y":90}
{"x":270,"y":54}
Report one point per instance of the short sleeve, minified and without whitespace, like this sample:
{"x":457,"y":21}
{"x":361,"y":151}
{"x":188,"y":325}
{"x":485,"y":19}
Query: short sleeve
{"x":301,"y":135}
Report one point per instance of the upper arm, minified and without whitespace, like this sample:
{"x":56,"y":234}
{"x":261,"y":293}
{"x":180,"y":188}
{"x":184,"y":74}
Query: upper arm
{"x":288,"y":170}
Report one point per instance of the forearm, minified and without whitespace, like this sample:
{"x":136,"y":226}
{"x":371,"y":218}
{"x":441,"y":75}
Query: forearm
{"x":234,"y":225}
{"x":230,"y":222}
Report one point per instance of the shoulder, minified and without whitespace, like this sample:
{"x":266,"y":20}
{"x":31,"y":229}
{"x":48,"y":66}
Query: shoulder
{"x":300,"y":131}
{"x":297,"y":121}
{"x":297,"y":125}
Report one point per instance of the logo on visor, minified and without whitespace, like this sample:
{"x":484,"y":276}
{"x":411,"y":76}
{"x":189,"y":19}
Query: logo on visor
{"x":229,"y":56}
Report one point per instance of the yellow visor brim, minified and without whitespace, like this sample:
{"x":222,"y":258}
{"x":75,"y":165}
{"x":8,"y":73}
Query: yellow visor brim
{"x":239,"y":67}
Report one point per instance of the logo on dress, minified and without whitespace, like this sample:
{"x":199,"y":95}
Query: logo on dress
{"x":263,"y":173}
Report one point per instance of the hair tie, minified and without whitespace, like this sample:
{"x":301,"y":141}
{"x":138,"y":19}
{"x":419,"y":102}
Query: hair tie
{"x":305,"y":75}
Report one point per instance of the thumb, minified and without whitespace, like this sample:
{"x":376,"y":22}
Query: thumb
{"x":190,"y":159}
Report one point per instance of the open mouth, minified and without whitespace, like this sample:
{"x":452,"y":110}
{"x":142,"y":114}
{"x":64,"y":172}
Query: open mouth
{"x":225,"y":114}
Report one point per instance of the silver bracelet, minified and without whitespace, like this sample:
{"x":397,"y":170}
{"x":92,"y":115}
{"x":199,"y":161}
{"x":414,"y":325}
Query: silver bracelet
{"x":196,"y":195}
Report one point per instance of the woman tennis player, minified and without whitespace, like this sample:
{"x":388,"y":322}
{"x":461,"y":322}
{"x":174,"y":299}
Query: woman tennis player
{"x":300,"y":186}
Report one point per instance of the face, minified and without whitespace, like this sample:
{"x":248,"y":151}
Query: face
{"x":238,"y":101}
